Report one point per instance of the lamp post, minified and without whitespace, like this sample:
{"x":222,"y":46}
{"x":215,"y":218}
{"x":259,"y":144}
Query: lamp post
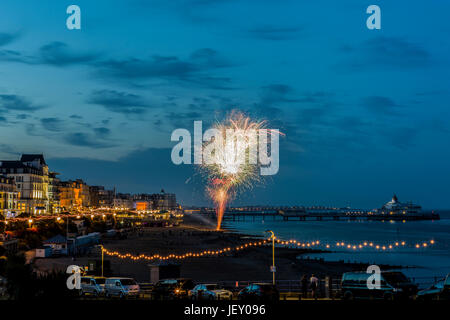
{"x":273,"y":255}
{"x":101,"y":247}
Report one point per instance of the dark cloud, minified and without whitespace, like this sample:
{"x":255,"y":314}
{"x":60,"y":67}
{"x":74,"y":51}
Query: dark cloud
{"x":194,"y":70}
{"x":275,"y":33}
{"x":59,"y":54}
{"x":55,"y":53}
{"x":81,"y":139}
{"x":17,"y":103}
{"x":390,"y":52}
{"x":3,"y":119}
{"x":271,"y":98}
{"x":76,"y":116}
{"x":22,"y":116}
{"x":380,"y":105}
{"x":401,"y":137}
{"x":14,"y":56}
{"x":7,"y":38}
{"x":52,"y":124}
{"x":102,"y":132}
{"x":119,"y":102}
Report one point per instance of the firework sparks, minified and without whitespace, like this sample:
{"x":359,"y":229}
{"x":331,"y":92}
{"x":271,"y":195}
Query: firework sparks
{"x":230,"y":160}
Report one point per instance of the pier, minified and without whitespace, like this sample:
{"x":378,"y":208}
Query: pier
{"x":322,"y":216}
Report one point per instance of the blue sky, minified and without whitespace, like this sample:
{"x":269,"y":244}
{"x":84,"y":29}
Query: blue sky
{"x":365,"y":112}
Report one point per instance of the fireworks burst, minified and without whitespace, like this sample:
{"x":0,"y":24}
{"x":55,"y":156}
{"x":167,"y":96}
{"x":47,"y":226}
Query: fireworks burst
{"x":231,"y":164}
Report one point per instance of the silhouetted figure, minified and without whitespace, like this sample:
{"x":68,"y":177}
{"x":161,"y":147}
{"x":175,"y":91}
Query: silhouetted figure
{"x":314,"y":284}
{"x":304,"y":286}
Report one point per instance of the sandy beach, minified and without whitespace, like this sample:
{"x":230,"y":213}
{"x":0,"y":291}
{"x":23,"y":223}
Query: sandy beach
{"x":195,"y":235}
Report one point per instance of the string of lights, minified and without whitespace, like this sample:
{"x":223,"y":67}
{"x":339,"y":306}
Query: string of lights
{"x":291,"y":243}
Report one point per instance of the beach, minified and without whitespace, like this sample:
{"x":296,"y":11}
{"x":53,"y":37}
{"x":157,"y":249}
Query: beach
{"x":196,"y":234}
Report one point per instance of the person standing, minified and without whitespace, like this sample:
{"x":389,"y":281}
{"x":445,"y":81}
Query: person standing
{"x":304,"y":286}
{"x":314,"y":284}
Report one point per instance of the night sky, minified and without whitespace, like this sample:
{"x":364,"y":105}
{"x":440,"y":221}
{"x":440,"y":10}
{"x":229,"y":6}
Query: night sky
{"x":365,"y":112}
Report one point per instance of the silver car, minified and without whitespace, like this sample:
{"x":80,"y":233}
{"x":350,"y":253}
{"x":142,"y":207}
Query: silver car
{"x":121,"y":287}
{"x":210,"y":292}
{"x":92,"y":286}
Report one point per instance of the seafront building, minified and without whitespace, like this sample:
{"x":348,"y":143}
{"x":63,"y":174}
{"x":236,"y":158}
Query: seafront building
{"x":158,"y":201}
{"x":74,"y":194}
{"x":28,"y":186}
{"x":9,"y":196}
{"x":31,"y":177}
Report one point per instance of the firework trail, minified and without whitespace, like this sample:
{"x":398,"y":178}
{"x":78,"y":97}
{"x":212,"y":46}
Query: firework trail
{"x":231,"y":164}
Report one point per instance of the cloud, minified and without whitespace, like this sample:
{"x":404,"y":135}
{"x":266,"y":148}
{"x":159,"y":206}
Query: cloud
{"x":194,"y":70}
{"x":81,"y":139}
{"x":380,"y":105}
{"x":102,"y":132}
{"x":390,"y":52}
{"x":54,"y":53}
{"x":274,"y":33}
{"x":17,"y":103}
{"x":58,"y":54}
{"x":119,"y":102}
{"x":7,"y":38}
{"x":52,"y":124}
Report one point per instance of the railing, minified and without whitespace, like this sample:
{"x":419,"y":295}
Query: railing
{"x":294,"y":287}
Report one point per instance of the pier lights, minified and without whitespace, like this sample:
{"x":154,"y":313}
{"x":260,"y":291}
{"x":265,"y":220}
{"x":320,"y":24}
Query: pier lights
{"x":30,"y":221}
{"x":273,"y":268}
{"x":58,"y":218}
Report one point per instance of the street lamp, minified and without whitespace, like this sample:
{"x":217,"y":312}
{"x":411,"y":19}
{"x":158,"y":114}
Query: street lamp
{"x":273,"y":269}
{"x":101,"y":248}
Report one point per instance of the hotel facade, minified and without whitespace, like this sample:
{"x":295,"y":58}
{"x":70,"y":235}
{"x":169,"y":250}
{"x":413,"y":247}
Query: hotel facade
{"x":28,"y":186}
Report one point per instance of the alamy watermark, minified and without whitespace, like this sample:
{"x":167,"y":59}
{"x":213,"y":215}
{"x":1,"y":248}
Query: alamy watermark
{"x":74,"y":280}
{"x":374,"y":280}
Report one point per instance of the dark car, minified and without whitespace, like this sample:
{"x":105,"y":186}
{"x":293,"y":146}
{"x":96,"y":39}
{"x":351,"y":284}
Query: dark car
{"x":394,"y":285}
{"x":438,"y":291}
{"x":172,"y":288}
{"x":259,"y":291}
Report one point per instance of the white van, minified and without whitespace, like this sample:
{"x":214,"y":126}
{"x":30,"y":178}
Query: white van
{"x":92,"y":285}
{"x":121,"y":287}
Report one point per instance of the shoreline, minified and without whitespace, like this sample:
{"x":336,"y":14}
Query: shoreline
{"x":194,"y":235}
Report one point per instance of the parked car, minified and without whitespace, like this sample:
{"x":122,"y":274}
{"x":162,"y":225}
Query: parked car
{"x":92,"y":285}
{"x":121,"y":287}
{"x":210,"y":292}
{"x":393,"y":285}
{"x":438,"y":291}
{"x":172,"y":288}
{"x":259,"y":291}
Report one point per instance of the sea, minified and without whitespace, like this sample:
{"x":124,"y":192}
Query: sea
{"x":432,"y":261}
